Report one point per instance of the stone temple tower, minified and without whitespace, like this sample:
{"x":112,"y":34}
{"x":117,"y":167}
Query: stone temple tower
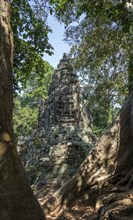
{"x":64,"y":121}
{"x":63,"y":138}
{"x":64,"y":105}
{"x":64,"y":93}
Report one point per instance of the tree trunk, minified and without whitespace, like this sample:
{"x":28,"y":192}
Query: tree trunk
{"x":17,"y":201}
{"x":107,"y":172}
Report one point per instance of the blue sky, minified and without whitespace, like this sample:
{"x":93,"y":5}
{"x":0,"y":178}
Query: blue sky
{"x":56,"y":40}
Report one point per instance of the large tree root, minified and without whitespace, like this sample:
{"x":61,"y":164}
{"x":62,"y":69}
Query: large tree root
{"x":118,"y":206}
{"x":107,"y":170}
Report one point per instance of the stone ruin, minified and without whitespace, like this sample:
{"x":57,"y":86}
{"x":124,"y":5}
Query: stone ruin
{"x":63,"y":138}
{"x":64,"y":106}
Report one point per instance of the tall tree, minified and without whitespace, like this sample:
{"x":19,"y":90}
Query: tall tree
{"x":16,"y":197}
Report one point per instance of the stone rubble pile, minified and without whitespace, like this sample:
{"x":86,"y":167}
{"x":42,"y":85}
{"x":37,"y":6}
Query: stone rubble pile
{"x":63,"y":137}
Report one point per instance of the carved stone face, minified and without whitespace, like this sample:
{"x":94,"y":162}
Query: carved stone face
{"x":63,"y":101}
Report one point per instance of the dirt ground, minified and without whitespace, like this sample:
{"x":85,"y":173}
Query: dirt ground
{"x":79,"y":209}
{"x":82,"y":208}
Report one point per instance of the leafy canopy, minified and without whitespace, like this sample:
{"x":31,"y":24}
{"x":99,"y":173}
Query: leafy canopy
{"x":30,"y":28}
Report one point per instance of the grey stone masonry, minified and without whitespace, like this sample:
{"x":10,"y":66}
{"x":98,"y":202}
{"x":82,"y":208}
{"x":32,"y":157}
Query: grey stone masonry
{"x":63,"y":138}
{"x":64,"y":104}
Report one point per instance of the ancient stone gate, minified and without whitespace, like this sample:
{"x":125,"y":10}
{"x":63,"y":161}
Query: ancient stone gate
{"x":63,"y":137}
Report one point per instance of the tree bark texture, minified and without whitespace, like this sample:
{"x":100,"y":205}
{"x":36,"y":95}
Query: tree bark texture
{"x":6,"y":63}
{"x":106,"y":174}
{"x":17,"y":201}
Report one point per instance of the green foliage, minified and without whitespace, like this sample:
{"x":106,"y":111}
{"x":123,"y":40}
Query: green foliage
{"x":37,"y":85}
{"x":26,"y":103}
{"x":71,"y":10}
{"x":30,"y":37}
{"x":31,"y":74}
{"x":25,"y":118}
{"x":105,"y":94}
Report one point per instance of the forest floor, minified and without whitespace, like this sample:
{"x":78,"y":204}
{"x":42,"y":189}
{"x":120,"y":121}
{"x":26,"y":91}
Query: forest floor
{"x":80,"y":209}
